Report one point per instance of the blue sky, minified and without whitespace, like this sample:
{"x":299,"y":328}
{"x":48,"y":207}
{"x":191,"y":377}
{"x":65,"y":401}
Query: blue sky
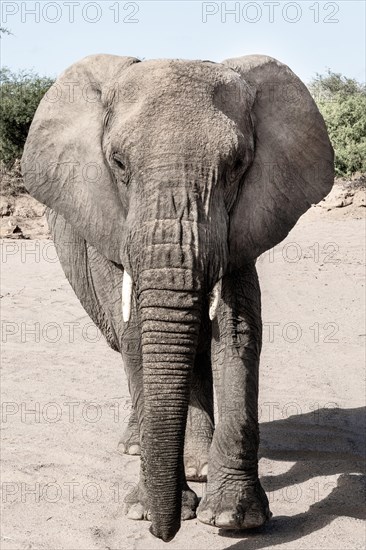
{"x":309,"y":36}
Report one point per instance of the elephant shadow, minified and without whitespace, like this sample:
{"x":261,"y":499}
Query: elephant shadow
{"x":321,"y":443}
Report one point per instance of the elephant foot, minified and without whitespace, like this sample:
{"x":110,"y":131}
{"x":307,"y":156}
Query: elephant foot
{"x":129,"y":443}
{"x":189,"y":504}
{"x":197,"y":445}
{"x":136,"y":504}
{"x":196,"y":460}
{"x":240,"y":506}
{"x":196,"y":468}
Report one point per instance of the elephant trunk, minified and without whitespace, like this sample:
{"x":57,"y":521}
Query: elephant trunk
{"x":169,"y":288}
{"x":169,"y":341}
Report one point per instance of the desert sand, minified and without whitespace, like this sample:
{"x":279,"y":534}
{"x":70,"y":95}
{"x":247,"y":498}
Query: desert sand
{"x":66,"y":403}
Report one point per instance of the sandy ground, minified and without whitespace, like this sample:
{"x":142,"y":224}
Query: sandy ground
{"x":65,"y":404}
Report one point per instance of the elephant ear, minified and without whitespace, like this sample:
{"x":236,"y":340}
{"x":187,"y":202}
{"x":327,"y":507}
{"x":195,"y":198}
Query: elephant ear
{"x":63,"y":163}
{"x":293,"y":159}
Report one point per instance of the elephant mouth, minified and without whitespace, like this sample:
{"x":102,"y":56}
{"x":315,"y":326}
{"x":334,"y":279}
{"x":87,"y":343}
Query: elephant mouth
{"x":127,"y":289}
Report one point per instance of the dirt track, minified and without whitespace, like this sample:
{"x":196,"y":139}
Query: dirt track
{"x":65,"y":404}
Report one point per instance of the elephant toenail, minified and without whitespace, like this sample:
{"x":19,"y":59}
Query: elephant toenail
{"x":191,"y":472}
{"x":121,"y":448}
{"x":136,"y":512}
{"x":206,"y":517}
{"x":226,"y":519}
{"x":187,"y":514}
{"x":134,"y":450}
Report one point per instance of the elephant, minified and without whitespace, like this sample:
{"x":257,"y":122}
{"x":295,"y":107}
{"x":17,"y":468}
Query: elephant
{"x":164,"y":181}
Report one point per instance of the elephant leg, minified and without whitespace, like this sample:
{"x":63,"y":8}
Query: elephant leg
{"x":131,"y":355}
{"x":129,"y":443}
{"x":200,"y":420}
{"x":234,"y":498}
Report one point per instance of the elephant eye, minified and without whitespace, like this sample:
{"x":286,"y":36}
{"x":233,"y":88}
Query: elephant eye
{"x":235,"y":170}
{"x":120,"y":168}
{"x":238,"y":165}
{"x":119,"y":163}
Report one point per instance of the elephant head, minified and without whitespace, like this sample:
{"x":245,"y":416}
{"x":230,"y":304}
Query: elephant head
{"x":179,"y":171}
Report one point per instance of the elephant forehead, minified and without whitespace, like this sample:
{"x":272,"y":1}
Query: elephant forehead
{"x":167,"y":135}
{"x":177,"y":105}
{"x":177,"y":80}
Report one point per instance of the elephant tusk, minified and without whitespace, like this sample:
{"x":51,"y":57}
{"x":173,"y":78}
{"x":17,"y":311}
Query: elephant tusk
{"x":214,"y":300}
{"x":126,"y":296}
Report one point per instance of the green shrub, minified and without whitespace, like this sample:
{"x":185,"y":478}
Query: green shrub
{"x":11,"y":181}
{"x":342,"y":102}
{"x":20,"y":94}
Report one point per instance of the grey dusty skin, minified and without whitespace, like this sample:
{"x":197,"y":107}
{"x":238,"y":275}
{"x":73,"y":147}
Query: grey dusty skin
{"x":161,"y":192}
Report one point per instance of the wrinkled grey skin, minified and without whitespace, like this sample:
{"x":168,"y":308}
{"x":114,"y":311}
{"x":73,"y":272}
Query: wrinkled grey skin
{"x":181,"y":173}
